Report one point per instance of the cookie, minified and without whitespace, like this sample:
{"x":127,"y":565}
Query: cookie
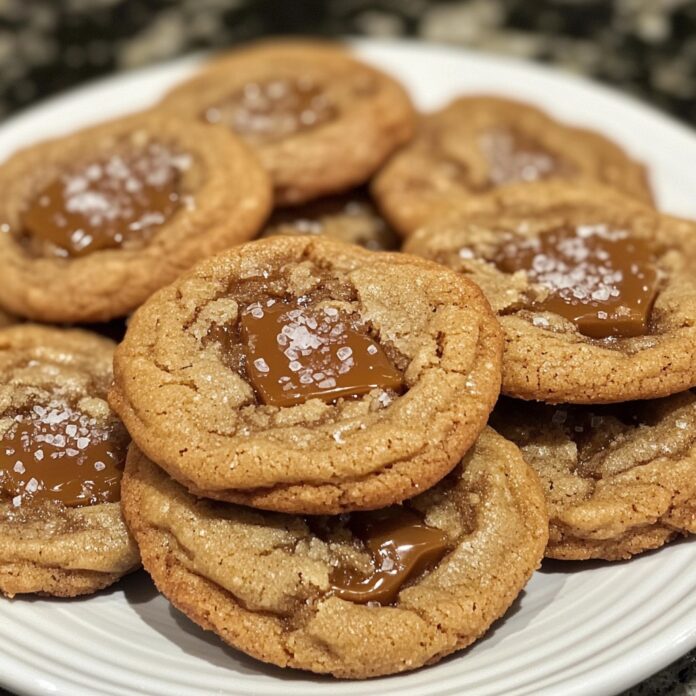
{"x":62,"y":451}
{"x":350,"y":217}
{"x":6,"y":319}
{"x":356,"y":596}
{"x":300,"y":374}
{"x":618,"y":479}
{"x":320,"y":121}
{"x":595,"y":292}
{"x":93,"y":223}
{"x":479,"y":144}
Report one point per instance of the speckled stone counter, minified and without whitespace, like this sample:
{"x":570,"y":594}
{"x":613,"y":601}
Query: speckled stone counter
{"x":645,"y":47}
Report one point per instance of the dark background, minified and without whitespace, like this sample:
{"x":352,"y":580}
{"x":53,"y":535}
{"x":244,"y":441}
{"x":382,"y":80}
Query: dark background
{"x":645,"y":47}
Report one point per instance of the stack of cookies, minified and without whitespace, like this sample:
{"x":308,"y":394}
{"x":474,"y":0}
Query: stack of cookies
{"x":596,"y":296}
{"x":296,"y":436}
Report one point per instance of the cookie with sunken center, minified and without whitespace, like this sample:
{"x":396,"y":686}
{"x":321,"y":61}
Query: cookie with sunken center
{"x":478,"y":144}
{"x":546,"y":357}
{"x":350,"y":217}
{"x":619,"y":479}
{"x":46,"y":546}
{"x":264,"y":582}
{"x":94,"y":222}
{"x":320,"y":121}
{"x":187,"y":396}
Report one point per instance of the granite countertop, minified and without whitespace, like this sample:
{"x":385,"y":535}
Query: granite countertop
{"x":645,"y":47}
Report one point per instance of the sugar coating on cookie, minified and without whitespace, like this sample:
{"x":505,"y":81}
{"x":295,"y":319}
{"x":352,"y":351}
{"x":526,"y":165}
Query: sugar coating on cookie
{"x":62,"y":452}
{"x":107,"y":215}
{"x":594,"y":291}
{"x":350,"y":217}
{"x":320,"y":121}
{"x":618,"y":479}
{"x":479,"y":144}
{"x":307,"y":593}
{"x":304,"y":375}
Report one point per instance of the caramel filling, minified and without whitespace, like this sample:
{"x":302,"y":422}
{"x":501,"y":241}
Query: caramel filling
{"x":294,"y":353}
{"x":267,"y":111}
{"x":402,"y":547}
{"x":58,"y":453}
{"x":515,"y":157}
{"x":105,"y":203}
{"x":603,"y":280}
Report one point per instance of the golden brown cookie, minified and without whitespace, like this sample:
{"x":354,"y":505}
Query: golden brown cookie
{"x":356,"y":596}
{"x":300,"y":374}
{"x":62,"y":452}
{"x":350,"y":217}
{"x":595,"y":292}
{"x":320,"y":120}
{"x":618,"y":479}
{"x":92,"y":223}
{"x":479,"y":144}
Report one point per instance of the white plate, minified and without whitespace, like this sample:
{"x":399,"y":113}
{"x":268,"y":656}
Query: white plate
{"x":576,"y":629}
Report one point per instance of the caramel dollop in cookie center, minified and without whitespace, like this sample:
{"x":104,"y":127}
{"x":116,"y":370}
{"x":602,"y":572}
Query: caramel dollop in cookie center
{"x":514,"y":157}
{"x":603,"y":280}
{"x":107,"y":202}
{"x":402,"y":547}
{"x":294,"y":353}
{"x":58,"y":453}
{"x":271,"y":110}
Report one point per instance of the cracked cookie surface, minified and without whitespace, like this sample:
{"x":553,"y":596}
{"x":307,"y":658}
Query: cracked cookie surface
{"x":320,"y":121}
{"x":47,"y":546}
{"x":262,"y":581}
{"x":546,"y":356}
{"x":478,"y":144}
{"x":183,"y":387}
{"x":618,"y":479}
{"x":94,"y":222}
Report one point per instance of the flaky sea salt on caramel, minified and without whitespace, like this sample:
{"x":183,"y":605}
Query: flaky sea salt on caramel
{"x":106,"y":202}
{"x":603,"y":280}
{"x":514,"y":157}
{"x":57,"y":453}
{"x":265,"y":111}
{"x":295,"y":353}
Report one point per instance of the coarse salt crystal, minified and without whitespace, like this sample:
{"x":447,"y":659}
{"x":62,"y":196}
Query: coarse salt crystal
{"x":261,"y":365}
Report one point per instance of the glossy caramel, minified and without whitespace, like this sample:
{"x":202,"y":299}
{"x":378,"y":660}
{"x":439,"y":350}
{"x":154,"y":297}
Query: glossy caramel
{"x":295,"y":353}
{"x":402,"y":547}
{"x":603,"y":280}
{"x":58,"y":453}
{"x":106,"y":202}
